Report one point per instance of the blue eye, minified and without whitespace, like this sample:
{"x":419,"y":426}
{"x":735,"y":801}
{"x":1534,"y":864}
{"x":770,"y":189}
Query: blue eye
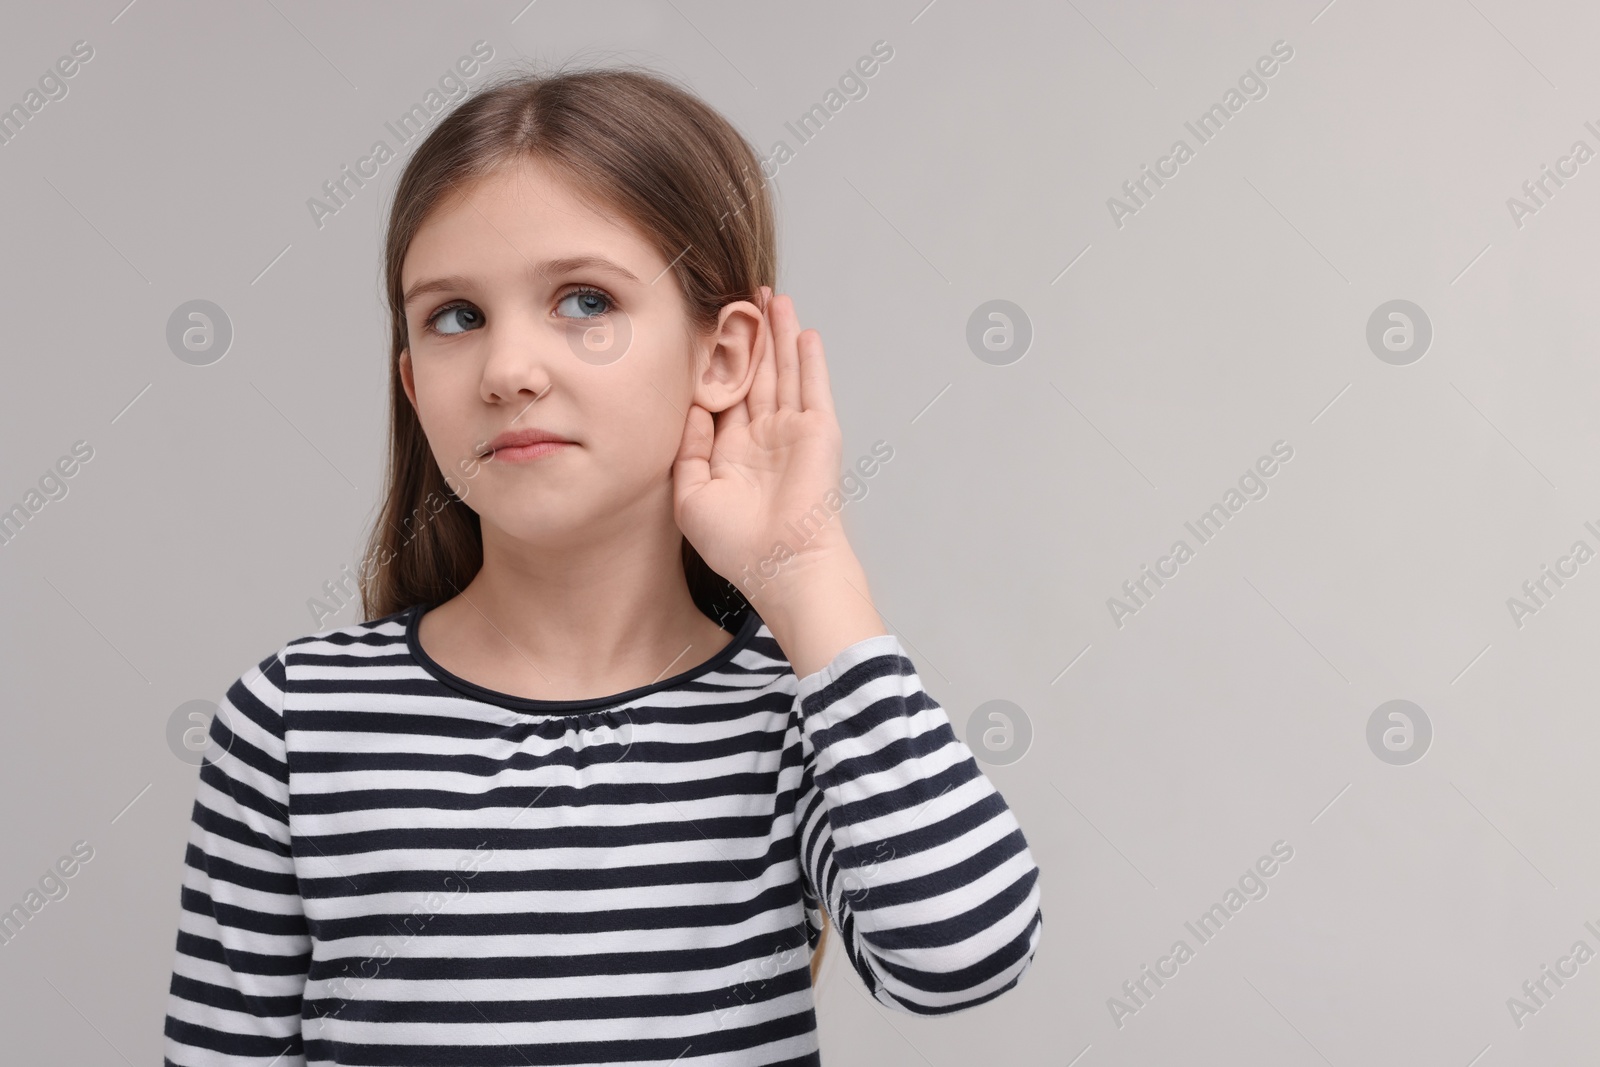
{"x":590,"y":303}
{"x":465,"y":315}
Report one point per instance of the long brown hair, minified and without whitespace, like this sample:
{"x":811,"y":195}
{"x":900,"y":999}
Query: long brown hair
{"x":627,"y":138}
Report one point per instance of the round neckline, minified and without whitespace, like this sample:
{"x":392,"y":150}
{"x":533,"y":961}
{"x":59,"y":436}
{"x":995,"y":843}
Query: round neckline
{"x":413,"y":619}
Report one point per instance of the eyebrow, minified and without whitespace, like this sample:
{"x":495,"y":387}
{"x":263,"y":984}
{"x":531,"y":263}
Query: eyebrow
{"x":563,"y":265}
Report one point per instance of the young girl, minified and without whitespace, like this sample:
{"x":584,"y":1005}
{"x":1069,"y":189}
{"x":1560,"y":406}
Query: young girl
{"x":569,"y":796}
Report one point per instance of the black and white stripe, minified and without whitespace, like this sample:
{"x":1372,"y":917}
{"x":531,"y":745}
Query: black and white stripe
{"x":388,"y":865}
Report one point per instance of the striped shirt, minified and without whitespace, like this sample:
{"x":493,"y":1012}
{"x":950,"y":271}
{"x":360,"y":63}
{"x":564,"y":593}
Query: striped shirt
{"x":389,"y":864}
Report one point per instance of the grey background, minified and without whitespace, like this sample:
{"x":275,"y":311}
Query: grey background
{"x":1229,"y":313}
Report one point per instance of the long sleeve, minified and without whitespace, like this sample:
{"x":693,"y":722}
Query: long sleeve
{"x":923,"y":866}
{"x":243,"y":948}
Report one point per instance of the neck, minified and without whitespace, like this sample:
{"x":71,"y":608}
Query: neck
{"x":586,"y":617}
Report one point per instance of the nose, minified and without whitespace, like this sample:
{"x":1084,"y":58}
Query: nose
{"x":521,"y":352}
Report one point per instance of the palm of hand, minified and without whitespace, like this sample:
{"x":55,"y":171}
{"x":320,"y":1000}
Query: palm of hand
{"x":746,"y":481}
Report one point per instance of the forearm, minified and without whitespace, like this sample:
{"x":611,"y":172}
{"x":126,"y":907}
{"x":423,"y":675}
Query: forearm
{"x":920,"y":860}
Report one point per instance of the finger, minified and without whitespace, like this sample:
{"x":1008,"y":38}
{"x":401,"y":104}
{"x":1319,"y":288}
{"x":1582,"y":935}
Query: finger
{"x":763,"y":395}
{"x":816,"y":394}
{"x":722,"y":460}
{"x":735,"y":416}
{"x":692,"y":469}
{"x":785,"y":330}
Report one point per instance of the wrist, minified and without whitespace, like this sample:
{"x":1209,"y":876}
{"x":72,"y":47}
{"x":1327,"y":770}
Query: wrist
{"x":784,"y":583}
{"x":816,"y":607}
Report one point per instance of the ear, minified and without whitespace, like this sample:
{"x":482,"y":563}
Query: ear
{"x":406,"y":379}
{"x":729,"y":356}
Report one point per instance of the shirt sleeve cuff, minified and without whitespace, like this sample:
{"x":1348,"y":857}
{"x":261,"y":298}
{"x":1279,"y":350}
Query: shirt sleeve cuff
{"x":860,"y":652}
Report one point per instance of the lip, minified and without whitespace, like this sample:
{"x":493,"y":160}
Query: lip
{"x":529,"y":443}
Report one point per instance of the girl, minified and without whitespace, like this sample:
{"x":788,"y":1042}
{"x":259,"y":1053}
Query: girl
{"x":570,"y":796}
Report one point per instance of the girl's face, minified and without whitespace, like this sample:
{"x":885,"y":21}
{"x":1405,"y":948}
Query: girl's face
{"x":528,"y":308}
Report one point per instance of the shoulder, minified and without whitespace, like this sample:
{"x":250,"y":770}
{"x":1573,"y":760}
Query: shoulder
{"x":386,"y":632}
{"x":354,"y":642}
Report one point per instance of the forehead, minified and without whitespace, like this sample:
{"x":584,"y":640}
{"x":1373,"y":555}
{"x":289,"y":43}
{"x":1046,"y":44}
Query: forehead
{"x":524,"y":211}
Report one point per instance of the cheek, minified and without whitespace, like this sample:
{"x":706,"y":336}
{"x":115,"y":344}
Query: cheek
{"x":641,"y":431}
{"x":645,"y":407}
{"x":442,"y":408}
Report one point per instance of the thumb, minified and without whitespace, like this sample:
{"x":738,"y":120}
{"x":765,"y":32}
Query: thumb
{"x":692,"y":468}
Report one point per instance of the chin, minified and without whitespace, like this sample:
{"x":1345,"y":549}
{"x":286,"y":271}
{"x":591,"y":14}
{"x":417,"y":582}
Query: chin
{"x":531,"y":521}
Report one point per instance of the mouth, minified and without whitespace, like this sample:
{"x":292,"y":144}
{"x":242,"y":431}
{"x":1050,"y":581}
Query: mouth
{"x":536,"y":450}
{"x":516,"y":445}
